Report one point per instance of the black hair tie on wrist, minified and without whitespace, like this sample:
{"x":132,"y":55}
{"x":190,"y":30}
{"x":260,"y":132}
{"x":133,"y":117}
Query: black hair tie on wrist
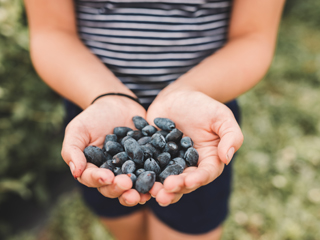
{"x":117,"y":94}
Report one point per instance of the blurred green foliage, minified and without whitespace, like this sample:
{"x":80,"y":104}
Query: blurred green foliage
{"x":277,"y":182}
{"x":31,"y":115}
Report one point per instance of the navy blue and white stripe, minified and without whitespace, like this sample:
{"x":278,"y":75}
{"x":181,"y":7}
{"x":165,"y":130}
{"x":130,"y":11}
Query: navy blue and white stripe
{"x":148,"y":44}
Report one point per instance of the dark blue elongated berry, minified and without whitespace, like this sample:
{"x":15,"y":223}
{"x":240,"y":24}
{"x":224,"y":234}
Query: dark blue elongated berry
{"x":128,"y":167}
{"x":173,"y":169}
{"x":110,"y":137}
{"x":120,"y":158}
{"x":121,"y":131}
{"x":172,"y":148}
{"x":158,"y":141}
{"x":157,"y":153}
{"x":144,"y":140}
{"x":163,"y":133}
{"x":186,"y":142}
{"x":113,"y":147}
{"x":133,"y":178}
{"x":139,"y":171}
{"x":164,"y":124}
{"x":148,"y":130}
{"x":174,"y":136}
{"x":148,"y":150}
{"x":117,"y":171}
{"x":145,"y":181}
{"x":94,"y":155}
{"x":191,"y":156}
{"x":139,"y":122}
{"x":134,"y":151}
{"x":109,"y":156}
{"x":163,"y":159}
{"x":151,"y":165}
{"x":136,"y":134}
{"x":180,"y":161}
{"x":124,"y":139}
{"x":181,"y":153}
{"x":108,"y":165}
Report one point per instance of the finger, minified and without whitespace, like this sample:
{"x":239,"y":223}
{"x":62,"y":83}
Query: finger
{"x":157,"y":186}
{"x":208,"y":170}
{"x":165,"y":198}
{"x":75,"y":141}
{"x":96,"y":177}
{"x":121,"y":183}
{"x":130,"y":198}
{"x":144,"y":197}
{"x":231,"y":137}
{"x":174,"y":183}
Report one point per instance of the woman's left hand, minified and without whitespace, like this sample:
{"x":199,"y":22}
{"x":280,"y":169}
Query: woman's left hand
{"x":214,"y":131}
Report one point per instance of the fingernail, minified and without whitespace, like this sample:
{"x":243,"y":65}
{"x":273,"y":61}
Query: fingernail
{"x":152,"y":196}
{"x":142,"y":203}
{"x":163,"y":205}
{"x":230,"y":154}
{"x":72,"y":167}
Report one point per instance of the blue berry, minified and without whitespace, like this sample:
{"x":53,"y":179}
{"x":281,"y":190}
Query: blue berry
{"x":163,"y":133}
{"x":163,"y":159}
{"x":164,"y":124}
{"x":145,"y":181}
{"x":133,"y":178}
{"x":108,"y":165}
{"x":173,"y":169}
{"x":139,"y":171}
{"x":124,"y":139}
{"x":134,"y":151}
{"x":110,"y":137}
{"x":149,"y":130}
{"x":144,"y":140}
{"x":136,"y":134}
{"x":180,"y":161}
{"x":139,"y":122}
{"x":120,"y":158}
{"x":158,"y":141}
{"x":117,"y":171}
{"x":121,"y":131}
{"x":174,"y":136}
{"x":113,"y":147}
{"x":148,"y":150}
{"x":186,"y":142}
{"x":95,"y":155}
{"x":172,"y":148}
{"x":151,"y":165}
{"x":191,"y":156}
{"x":181,"y":153}
{"x":128,"y":167}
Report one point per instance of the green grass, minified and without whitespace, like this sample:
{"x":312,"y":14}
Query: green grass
{"x":276,"y":184}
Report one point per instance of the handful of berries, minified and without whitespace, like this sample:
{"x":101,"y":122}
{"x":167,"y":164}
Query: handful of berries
{"x":146,"y":155}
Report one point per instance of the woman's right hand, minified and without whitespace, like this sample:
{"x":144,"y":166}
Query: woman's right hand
{"x":90,"y":128}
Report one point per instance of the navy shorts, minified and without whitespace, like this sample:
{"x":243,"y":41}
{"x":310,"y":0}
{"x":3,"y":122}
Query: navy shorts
{"x":195,"y":213}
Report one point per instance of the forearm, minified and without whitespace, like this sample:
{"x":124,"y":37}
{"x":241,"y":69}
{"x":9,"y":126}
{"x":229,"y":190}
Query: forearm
{"x":231,"y":71}
{"x":68,"y":67}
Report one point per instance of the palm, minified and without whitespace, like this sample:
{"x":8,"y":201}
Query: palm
{"x":206,"y":121}
{"x":90,"y":128}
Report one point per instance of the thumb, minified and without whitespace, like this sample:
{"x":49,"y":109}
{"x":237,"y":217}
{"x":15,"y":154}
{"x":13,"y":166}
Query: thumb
{"x":231,"y":138}
{"x":73,"y":145}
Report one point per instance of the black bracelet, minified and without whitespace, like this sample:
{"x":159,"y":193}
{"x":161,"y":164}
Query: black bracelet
{"x":117,"y":94}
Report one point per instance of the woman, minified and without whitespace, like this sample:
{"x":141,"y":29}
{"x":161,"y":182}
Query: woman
{"x":183,"y":59}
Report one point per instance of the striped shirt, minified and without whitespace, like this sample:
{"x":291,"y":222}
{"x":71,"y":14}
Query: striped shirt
{"x":149,"y":44}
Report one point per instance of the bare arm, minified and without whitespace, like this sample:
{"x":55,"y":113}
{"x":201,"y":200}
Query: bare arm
{"x":61,"y":59}
{"x":244,"y":60}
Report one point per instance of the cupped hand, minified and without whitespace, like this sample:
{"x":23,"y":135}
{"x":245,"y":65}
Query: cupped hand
{"x":90,"y":128}
{"x":215,"y":133}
